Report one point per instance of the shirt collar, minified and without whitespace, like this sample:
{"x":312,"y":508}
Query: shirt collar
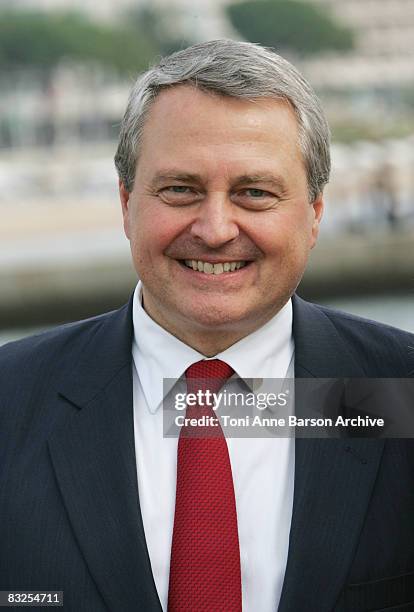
{"x":158,"y":355}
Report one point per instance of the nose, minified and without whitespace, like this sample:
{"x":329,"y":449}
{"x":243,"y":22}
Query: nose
{"x":215,"y":224}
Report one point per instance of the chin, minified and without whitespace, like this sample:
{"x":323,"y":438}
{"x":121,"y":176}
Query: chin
{"x":216,"y":318}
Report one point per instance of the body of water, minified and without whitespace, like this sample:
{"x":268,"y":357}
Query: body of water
{"x":392,"y":310}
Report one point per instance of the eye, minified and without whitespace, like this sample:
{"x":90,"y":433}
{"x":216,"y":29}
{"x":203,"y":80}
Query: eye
{"x":257,"y":193}
{"x":255,"y":198}
{"x":178,"y":189}
{"x":178,"y":195}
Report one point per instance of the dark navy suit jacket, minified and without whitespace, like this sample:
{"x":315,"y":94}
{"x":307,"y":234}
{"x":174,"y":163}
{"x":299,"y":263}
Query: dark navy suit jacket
{"x":69,"y":506}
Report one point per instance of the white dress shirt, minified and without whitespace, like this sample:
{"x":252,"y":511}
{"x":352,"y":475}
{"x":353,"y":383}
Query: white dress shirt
{"x":263,"y":468}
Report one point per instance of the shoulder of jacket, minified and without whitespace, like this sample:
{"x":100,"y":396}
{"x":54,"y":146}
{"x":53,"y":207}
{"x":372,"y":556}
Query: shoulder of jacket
{"x":49,"y":344}
{"x":374,"y":340}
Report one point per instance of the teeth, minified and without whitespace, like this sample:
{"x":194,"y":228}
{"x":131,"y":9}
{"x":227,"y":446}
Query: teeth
{"x":218,"y":268}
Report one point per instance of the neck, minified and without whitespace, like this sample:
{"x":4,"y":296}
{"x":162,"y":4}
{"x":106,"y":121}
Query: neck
{"x":209,"y":344}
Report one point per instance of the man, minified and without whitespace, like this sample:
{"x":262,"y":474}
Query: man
{"x":222,"y":159}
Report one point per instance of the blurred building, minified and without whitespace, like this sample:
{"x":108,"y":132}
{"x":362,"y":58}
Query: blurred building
{"x":384,"y":45}
{"x":383,"y":27}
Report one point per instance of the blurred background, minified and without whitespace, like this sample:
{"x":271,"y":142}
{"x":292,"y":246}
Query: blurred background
{"x":66,"y":68}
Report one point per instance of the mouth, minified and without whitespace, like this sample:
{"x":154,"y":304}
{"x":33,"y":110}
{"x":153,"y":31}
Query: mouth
{"x":207,"y":267}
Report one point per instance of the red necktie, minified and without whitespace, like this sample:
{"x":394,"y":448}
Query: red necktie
{"x":205,"y":558}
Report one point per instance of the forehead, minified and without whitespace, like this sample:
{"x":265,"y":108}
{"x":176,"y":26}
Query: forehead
{"x":188,"y":107}
{"x":190,"y":125}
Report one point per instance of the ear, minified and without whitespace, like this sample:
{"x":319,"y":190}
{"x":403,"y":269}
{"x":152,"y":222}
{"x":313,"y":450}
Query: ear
{"x":124,"y":197}
{"x":317,"y":206}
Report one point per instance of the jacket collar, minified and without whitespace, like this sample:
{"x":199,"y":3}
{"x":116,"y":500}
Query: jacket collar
{"x":320,"y":351}
{"x":89,"y":365}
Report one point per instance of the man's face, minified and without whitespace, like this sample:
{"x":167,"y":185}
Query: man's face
{"x":219,"y":219}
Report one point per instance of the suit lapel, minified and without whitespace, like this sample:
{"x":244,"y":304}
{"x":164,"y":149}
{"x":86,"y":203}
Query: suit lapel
{"x":93,"y":456}
{"x":334,"y":479}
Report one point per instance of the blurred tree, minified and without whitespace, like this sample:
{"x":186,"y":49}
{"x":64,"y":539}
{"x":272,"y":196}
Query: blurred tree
{"x":42,"y":40}
{"x":293,"y":25}
{"x":160,"y":26}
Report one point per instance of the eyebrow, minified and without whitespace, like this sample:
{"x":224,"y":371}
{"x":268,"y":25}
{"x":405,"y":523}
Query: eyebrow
{"x":270,"y":179}
{"x":185,"y":177}
{"x":244,"y":179}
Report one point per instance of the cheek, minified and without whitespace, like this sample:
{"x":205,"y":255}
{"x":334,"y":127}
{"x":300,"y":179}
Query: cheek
{"x":284,"y":239}
{"x":155,"y":229}
{"x":270,"y":233}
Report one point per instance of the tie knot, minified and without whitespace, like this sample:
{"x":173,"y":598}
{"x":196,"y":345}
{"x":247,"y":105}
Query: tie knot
{"x":208,"y":374}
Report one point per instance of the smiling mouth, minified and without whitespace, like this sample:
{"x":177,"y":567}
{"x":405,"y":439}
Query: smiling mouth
{"x":214,"y":268}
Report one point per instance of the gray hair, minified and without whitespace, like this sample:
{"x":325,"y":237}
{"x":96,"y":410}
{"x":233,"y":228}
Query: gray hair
{"x":239,"y":70}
